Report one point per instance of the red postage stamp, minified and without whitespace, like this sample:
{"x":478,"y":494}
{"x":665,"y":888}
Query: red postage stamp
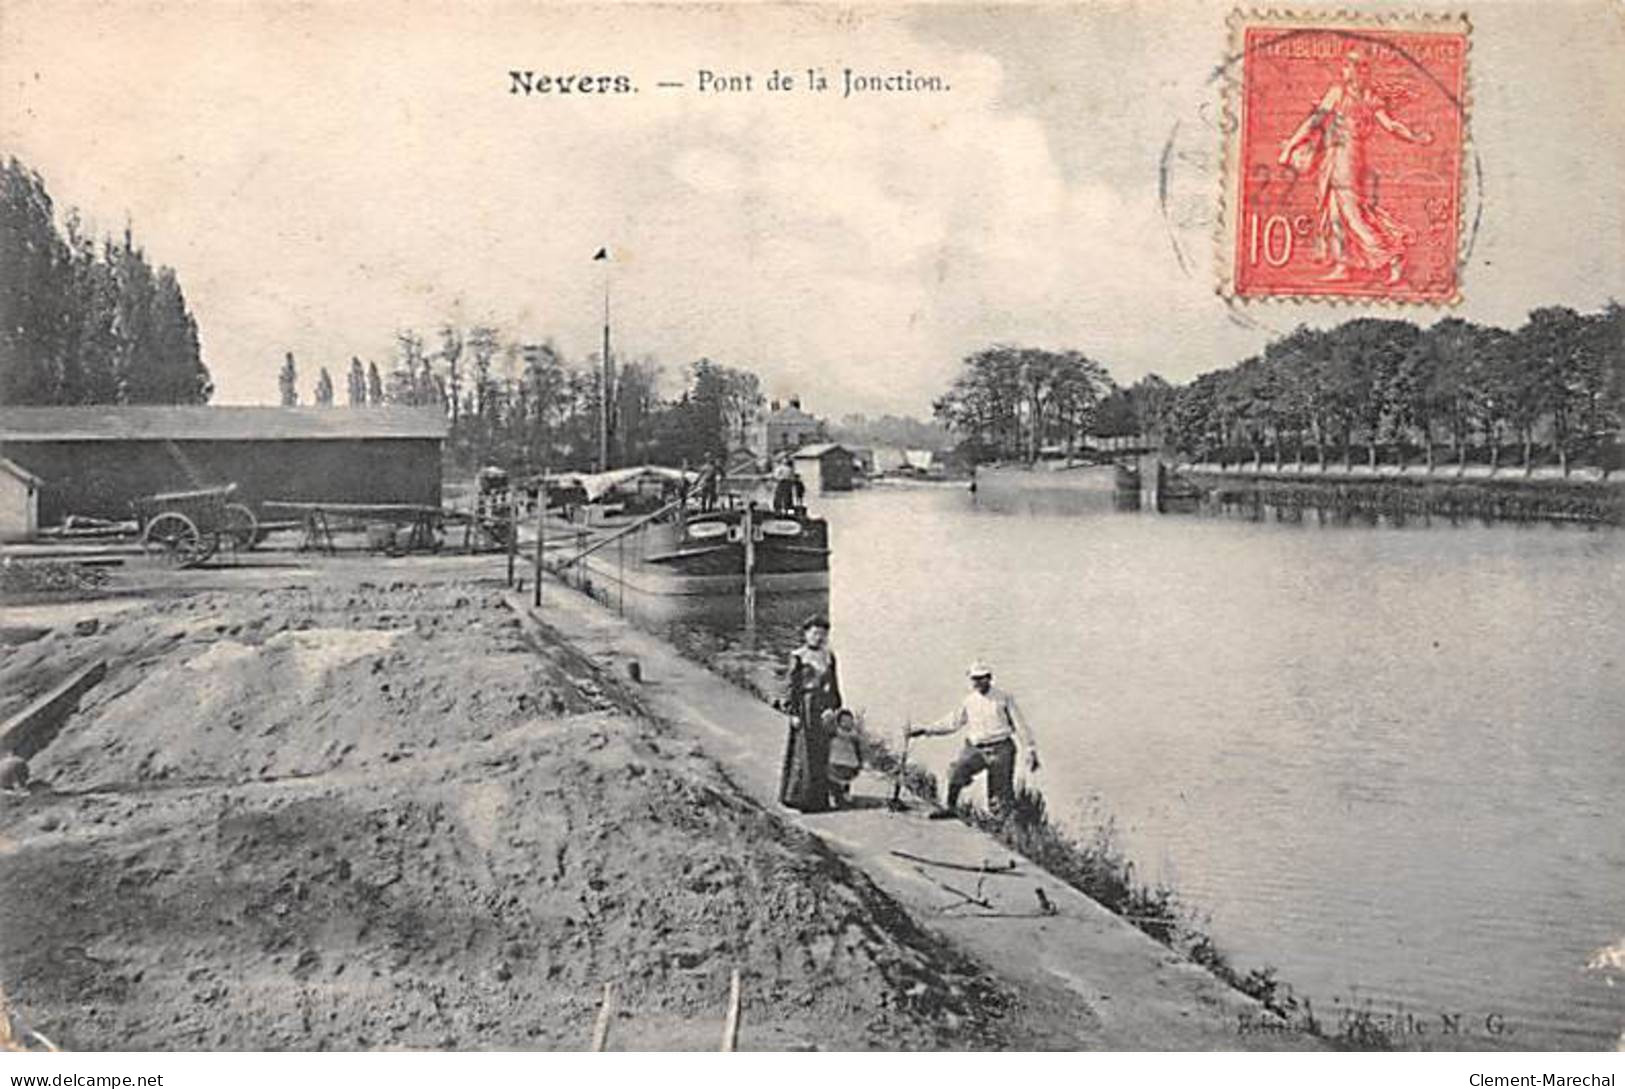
{"x":1344,"y":159}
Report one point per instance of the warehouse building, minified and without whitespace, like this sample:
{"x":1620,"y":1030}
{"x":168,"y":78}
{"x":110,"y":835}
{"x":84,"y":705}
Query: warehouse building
{"x":94,"y":459}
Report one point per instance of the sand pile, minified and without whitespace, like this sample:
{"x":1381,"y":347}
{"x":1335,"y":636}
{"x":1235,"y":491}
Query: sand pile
{"x":388,"y":822}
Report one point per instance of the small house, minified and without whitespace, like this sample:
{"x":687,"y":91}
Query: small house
{"x":825,"y":467}
{"x":19,"y":501}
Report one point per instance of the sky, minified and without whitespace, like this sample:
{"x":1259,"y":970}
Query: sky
{"x":324,"y":174}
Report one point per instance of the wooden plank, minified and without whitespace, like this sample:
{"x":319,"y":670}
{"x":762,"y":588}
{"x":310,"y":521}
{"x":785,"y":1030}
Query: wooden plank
{"x":606,"y":1013}
{"x":730,"y":1026}
{"x":381,"y":510}
{"x":37,"y":725}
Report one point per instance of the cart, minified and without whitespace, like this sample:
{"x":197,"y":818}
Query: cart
{"x":187,"y":528}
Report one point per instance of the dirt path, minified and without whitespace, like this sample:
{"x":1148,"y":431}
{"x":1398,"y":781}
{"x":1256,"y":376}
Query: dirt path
{"x":350,"y":815}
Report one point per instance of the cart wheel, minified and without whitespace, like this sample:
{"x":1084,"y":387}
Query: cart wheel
{"x":242,"y":530}
{"x":174,"y":538}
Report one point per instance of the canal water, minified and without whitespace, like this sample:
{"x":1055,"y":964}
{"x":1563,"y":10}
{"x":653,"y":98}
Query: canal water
{"x":1386,"y":760}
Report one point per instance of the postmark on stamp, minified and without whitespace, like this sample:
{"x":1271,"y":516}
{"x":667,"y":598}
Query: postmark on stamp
{"x":1344,"y":158}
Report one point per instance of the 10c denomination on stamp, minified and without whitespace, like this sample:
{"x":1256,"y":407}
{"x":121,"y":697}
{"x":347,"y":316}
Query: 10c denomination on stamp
{"x":1344,"y":158}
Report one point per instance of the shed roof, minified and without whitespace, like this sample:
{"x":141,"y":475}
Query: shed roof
{"x":93,"y":423}
{"x":9,"y":466}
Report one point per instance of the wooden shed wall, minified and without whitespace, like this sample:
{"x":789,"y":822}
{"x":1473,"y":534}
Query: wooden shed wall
{"x":101,"y":477}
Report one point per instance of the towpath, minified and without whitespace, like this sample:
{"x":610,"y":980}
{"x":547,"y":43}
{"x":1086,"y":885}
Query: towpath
{"x":1127,"y":991}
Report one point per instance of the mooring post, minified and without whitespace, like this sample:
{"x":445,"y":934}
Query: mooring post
{"x":541,"y":533}
{"x":606,"y":1012}
{"x":748,"y":532}
{"x":730,"y":1026}
{"x":513,"y":538}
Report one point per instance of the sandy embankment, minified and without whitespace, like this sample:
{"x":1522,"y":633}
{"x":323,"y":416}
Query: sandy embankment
{"x":368,"y":816}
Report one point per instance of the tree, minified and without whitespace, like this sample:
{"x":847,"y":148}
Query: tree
{"x":89,"y":369}
{"x":1366,"y":354}
{"x":1568,"y":374}
{"x":324,"y":388}
{"x":36,"y":319}
{"x":1193,"y":419}
{"x":451,"y":350}
{"x":1151,"y":398}
{"x":483,"y":341}
{"x":174,"y":369}
{"x":288,"y":381}
{"x":1437,"y":383}
{"x":375,"y":384}
{"x":357,"y":383}
{"x":1016,"y":400}
{"x":82,"y":324}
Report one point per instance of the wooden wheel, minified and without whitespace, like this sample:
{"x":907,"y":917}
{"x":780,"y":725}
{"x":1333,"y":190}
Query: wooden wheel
{"x":242,"y":529}
{"x":174,"y":538}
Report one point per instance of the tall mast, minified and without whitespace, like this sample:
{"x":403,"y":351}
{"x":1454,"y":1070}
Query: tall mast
{"x":606,"y":385}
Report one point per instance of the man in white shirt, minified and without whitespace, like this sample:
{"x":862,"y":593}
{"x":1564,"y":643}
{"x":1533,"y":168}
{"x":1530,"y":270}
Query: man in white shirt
{"x":991,"y":721}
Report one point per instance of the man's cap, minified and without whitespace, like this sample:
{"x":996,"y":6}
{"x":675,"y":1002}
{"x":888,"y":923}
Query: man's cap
{"x":979,"y":668}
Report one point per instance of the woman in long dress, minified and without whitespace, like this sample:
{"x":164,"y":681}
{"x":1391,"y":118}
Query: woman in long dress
{"x":1354,"y":228}
{"x":811,"y":688}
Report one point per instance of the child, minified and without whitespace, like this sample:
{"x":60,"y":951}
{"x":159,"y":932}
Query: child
{"x":845,"y":760}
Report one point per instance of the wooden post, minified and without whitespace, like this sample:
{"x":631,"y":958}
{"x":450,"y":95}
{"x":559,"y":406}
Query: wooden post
{"x":620,"y":577}
{"x":606,"y":1012}
{"x":541,"y":524}
{"x":513,"y":538}
{"x":730,"y":1027}
{"x":747,"y":526}
{"x":36,"y":726}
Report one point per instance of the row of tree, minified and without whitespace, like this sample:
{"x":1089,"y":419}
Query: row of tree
{"x":1555,"y":386}
{"x":526,"y":406}
{"x":84,"y":321}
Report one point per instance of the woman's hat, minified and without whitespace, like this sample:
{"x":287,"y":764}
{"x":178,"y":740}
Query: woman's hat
{"x":815,"y":622}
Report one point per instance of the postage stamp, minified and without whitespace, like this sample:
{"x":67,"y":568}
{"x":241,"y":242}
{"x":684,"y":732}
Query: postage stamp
{"x":1344,"y":157}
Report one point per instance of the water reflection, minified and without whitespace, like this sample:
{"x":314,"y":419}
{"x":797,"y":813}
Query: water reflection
{"x":1385,"y":758}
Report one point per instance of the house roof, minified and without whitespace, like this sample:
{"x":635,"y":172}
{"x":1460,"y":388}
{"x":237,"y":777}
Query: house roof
{"x":818,"y":449}
{"x":9,"y":466}
{"x":92,"y":423}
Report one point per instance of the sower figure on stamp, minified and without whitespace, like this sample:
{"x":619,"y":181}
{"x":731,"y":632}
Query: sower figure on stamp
{"x":811,"y":688}
{"x":991,"y":721}
{"x":1353,"y":227}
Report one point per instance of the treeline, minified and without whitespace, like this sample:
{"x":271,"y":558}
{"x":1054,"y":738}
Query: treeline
{"x":1377,"y":388}
{"x":1554,"y":388}
{"x":84,"y":321}
{"x":527,"y":407}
